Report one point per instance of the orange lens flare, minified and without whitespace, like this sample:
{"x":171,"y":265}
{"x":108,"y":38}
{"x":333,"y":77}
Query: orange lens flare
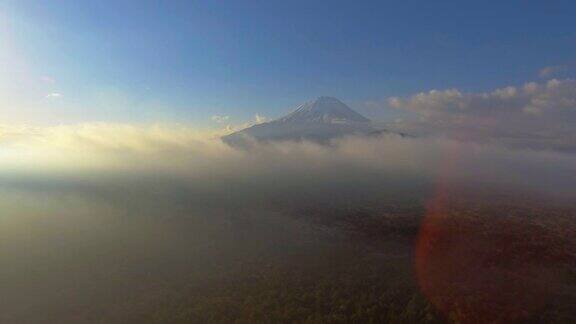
{"x":477,"y":269}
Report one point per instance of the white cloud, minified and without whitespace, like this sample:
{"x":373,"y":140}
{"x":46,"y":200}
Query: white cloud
{"x":54,"y":95}
{"x":259,"y":119}
{"x":543,"y":115}
{"x":196,"y":154}
{"x":230,"y":128}
{"x":553,"y":96}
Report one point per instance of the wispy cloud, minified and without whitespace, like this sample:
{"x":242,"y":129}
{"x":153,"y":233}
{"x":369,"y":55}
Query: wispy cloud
{"x":47,"y":79}
{"x":553,"y":70}
{"x":259,"y":119}
{"x":54,"y":95}
{"x":220,"y":118}
{"x":230,"y":128}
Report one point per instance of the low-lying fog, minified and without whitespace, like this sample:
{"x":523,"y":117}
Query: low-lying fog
{"x":101,"y":222}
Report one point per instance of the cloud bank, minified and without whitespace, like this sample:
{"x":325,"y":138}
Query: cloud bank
{"x":96,"y":214}
{"x":535,"y":115}
{"x":186,"y":153}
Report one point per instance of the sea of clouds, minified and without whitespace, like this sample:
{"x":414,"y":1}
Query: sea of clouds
{"x":92,"y":211}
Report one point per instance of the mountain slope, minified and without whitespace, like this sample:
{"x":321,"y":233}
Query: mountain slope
{"x":318,"y":120}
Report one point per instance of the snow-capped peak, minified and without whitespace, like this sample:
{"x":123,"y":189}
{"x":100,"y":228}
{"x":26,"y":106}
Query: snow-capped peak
{"x":319,"y":120}
{"x":324,"y":110}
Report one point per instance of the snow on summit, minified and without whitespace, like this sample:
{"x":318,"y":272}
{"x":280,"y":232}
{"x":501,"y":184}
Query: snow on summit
{"x":324,"y":110}
{"x":317,"y":120}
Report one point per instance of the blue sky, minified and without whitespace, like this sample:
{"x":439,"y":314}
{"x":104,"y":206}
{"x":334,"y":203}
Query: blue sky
{"x":68,"y":61}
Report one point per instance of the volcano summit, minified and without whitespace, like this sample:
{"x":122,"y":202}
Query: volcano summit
{"x":318,"y":120}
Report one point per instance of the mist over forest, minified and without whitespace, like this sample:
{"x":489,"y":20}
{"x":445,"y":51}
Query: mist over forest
{"x":171,"y":224}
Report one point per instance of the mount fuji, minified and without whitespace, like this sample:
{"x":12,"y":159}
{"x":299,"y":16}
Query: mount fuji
{"x":319,"y":120}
